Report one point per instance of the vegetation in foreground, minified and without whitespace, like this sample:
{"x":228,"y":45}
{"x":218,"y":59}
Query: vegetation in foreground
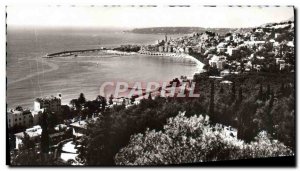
{"x":190,"y":140}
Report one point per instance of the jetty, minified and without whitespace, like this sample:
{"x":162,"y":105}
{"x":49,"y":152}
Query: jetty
{"x":72,"y":52}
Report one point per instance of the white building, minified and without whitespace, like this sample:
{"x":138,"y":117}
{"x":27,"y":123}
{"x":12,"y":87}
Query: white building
{"x":19,"y":118}
{"x":290,"y":44}
{"x":52,"y":104}
{"x":231,"y":50}
{"x":224,"y":72}
{"x":33,"y":133}
{"x":217,"y":61}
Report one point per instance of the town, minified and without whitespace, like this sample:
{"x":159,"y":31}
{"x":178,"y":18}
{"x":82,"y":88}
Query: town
{"x":268,"y":48}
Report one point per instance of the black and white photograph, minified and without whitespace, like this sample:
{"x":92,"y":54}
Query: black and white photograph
{"x":150,"y":85}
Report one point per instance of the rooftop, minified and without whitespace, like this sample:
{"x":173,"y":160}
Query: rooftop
{"x":32,"y":132}
{"x":17,"y":112}
{"x":79,"y":124}
{"x":51,"y":98}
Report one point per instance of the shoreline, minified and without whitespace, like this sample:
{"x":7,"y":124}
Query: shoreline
{"x":176,"y":57}
{"x":182,"y":57}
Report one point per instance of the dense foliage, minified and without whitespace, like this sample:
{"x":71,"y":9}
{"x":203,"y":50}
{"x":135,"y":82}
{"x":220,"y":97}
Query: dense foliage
{"x":252,"y":103}
{"x":189,"y":140}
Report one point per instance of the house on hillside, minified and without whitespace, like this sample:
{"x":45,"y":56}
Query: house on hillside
{"x":217,"y":61}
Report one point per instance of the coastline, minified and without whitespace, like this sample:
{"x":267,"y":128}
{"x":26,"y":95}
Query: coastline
{"x":179,"y":57}
{"x":182,"y":57}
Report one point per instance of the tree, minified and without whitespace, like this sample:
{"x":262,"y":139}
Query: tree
{"x":45,"y":135}
{"x":102,"y":101}
{"x":242,"y":66}
{"x":132,"y":99}
{"x":150,"y":96}
{"x":233,"y":92}
{"x":52,"y":121}
{"x":19,"y":108}
{"x":260,"y":92}
{"x":81,"y":99}
{"x":75,"y":104}
{"x":212,"y":99}
{"x":268,"y":93}
{"x":270,"y":117}
{"x":27,"y":143}
{"x":193,"y":139}
{"x":247,"y":129}
{"x":240,"y":95}
{"x":98,"y":147}
{"x":221,"y":90}
{"x":111,"y":99}
{"x":282,"y":88}
{"x":124,"y":102}
{"x":283,"y":115}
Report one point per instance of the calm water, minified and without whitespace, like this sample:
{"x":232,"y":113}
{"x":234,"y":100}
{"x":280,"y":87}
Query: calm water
{"x":30,"y":76}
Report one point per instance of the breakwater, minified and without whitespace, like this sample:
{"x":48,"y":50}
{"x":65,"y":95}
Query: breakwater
{"x":76,"y":52}
{"x":71,"y":52}
{"x":177,"y":57}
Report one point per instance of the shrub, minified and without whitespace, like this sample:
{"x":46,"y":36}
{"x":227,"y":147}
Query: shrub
{"x":188,"y":140}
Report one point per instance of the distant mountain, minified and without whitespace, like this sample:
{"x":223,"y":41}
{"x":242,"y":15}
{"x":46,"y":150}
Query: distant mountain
{"x":179,"y":30}
{"x":283,"y":21}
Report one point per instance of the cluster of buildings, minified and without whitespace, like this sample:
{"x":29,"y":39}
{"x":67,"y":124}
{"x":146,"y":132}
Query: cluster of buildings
{"x":240,"y":51}
{"x":27,"y":118}
{"x":166,"y":46}
{"x":30,"y":119}
{"x":255,"y":50}
{"x":66,"y":134}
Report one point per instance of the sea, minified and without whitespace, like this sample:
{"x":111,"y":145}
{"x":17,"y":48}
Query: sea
{"x":30,"y":76}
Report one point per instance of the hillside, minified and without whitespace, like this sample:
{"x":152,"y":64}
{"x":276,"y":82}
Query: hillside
{"x":179,"y":30}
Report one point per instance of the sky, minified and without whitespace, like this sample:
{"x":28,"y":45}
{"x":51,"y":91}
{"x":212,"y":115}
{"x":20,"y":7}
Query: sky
{"x":141,"y":17}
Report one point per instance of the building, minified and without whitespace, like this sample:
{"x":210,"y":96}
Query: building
{"x":204,"y":37}
{"x":282,"y":66}
{"x":276,"y":35}
{"x":232,"y":50}
{"x":22,"y":118}
{"x":290,"y":44}
{"x":226,"y":82}
{"x":187,"y":49}
{"x":259,"y":30}
{"x":224,"y":72}
{"x":121,"y":100}
{"x":160,"y":48}
{"x":170,"y":49}
{"x":228,"y":38}
{"x":34,"y":133}
{"x":253,"y":38}
{"x":217,"y":61}
{"x":52,"y":104}
{"x":279,"y":61}
{"x":166,"y":47}
{"x":79,"y":128}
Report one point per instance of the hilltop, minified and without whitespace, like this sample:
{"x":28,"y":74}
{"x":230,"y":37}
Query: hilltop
{"x":179,"y":30}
